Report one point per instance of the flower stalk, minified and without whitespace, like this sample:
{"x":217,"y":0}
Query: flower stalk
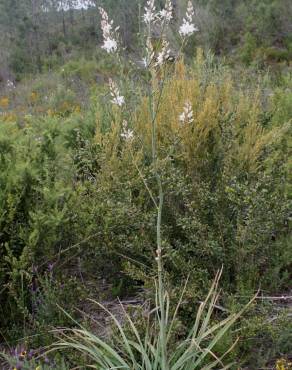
{"x":153,"y":110}
{"x":152,"y":61}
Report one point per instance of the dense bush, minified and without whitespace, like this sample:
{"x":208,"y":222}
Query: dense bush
{"x":224,"y":178}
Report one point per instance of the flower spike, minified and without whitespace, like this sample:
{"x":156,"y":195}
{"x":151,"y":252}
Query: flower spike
{"x":110,"y":44}
{"x":188,"y":27}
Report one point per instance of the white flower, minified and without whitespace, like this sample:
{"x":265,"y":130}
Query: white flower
{"x":182,"y":117}
{"x":188,"y":28}
{"x":164,"y":53}
{"x":10,"y":84}
{"x":190,"y":11}
{"x":106,"y":27}
{"x":126,"y":133}
{"x":110,"y":45}
{"x":109,"y":42}
{"x":149,"y":15}
{"x":150,"y":52}
{"x":166,"y":13}
{"x":160,"y":59}
{"x":163,"y":13}
{"x":187,"y":115}
{"x":117,"y":99}
{"x":144,"y":62}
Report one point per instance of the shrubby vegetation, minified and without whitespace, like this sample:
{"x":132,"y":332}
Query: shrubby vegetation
{"x":73,"y":196}
{"x":77,"y":219}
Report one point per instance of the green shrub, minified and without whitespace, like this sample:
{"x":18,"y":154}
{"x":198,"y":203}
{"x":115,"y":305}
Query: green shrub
{"x":34,"y":190}
{"x":224,"y":181}
{"x":248,"y":49}
{"x":82,"y":69}
{"x":266,"y":335}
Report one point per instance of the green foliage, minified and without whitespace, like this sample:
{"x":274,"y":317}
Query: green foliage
{"x":85,"y":70}
{"x":248,"y":48}
{"x":270,"y":330}
{"x":34,"y":215}
{"x":32,"y":360}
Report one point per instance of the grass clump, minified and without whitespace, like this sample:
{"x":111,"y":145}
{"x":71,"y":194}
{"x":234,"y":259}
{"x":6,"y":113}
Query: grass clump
{"x":153,"y":350}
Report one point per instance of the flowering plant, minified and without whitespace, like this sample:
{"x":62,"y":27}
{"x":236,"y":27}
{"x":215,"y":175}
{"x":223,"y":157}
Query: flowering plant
{"x":188,"y":28}
{"x":110,"y":44}
{"x":152,"y":351}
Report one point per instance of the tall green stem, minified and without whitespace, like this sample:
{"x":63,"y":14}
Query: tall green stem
{"x":161,"y":290}
{"x":153,"y":110}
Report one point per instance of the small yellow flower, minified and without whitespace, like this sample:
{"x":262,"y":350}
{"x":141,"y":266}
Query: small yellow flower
{"x":282,"y":364}
{"x":4,"y":102}
{"x":33,"y":97}
{"x":38,"y":368}
{"x":50,"y":112}
{"x":77,"y":109}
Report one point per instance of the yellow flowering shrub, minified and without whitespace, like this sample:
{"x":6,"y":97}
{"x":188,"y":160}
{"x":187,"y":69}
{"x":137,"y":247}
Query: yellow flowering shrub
{"x":218,"y":109}
{"x":33,"y":97}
